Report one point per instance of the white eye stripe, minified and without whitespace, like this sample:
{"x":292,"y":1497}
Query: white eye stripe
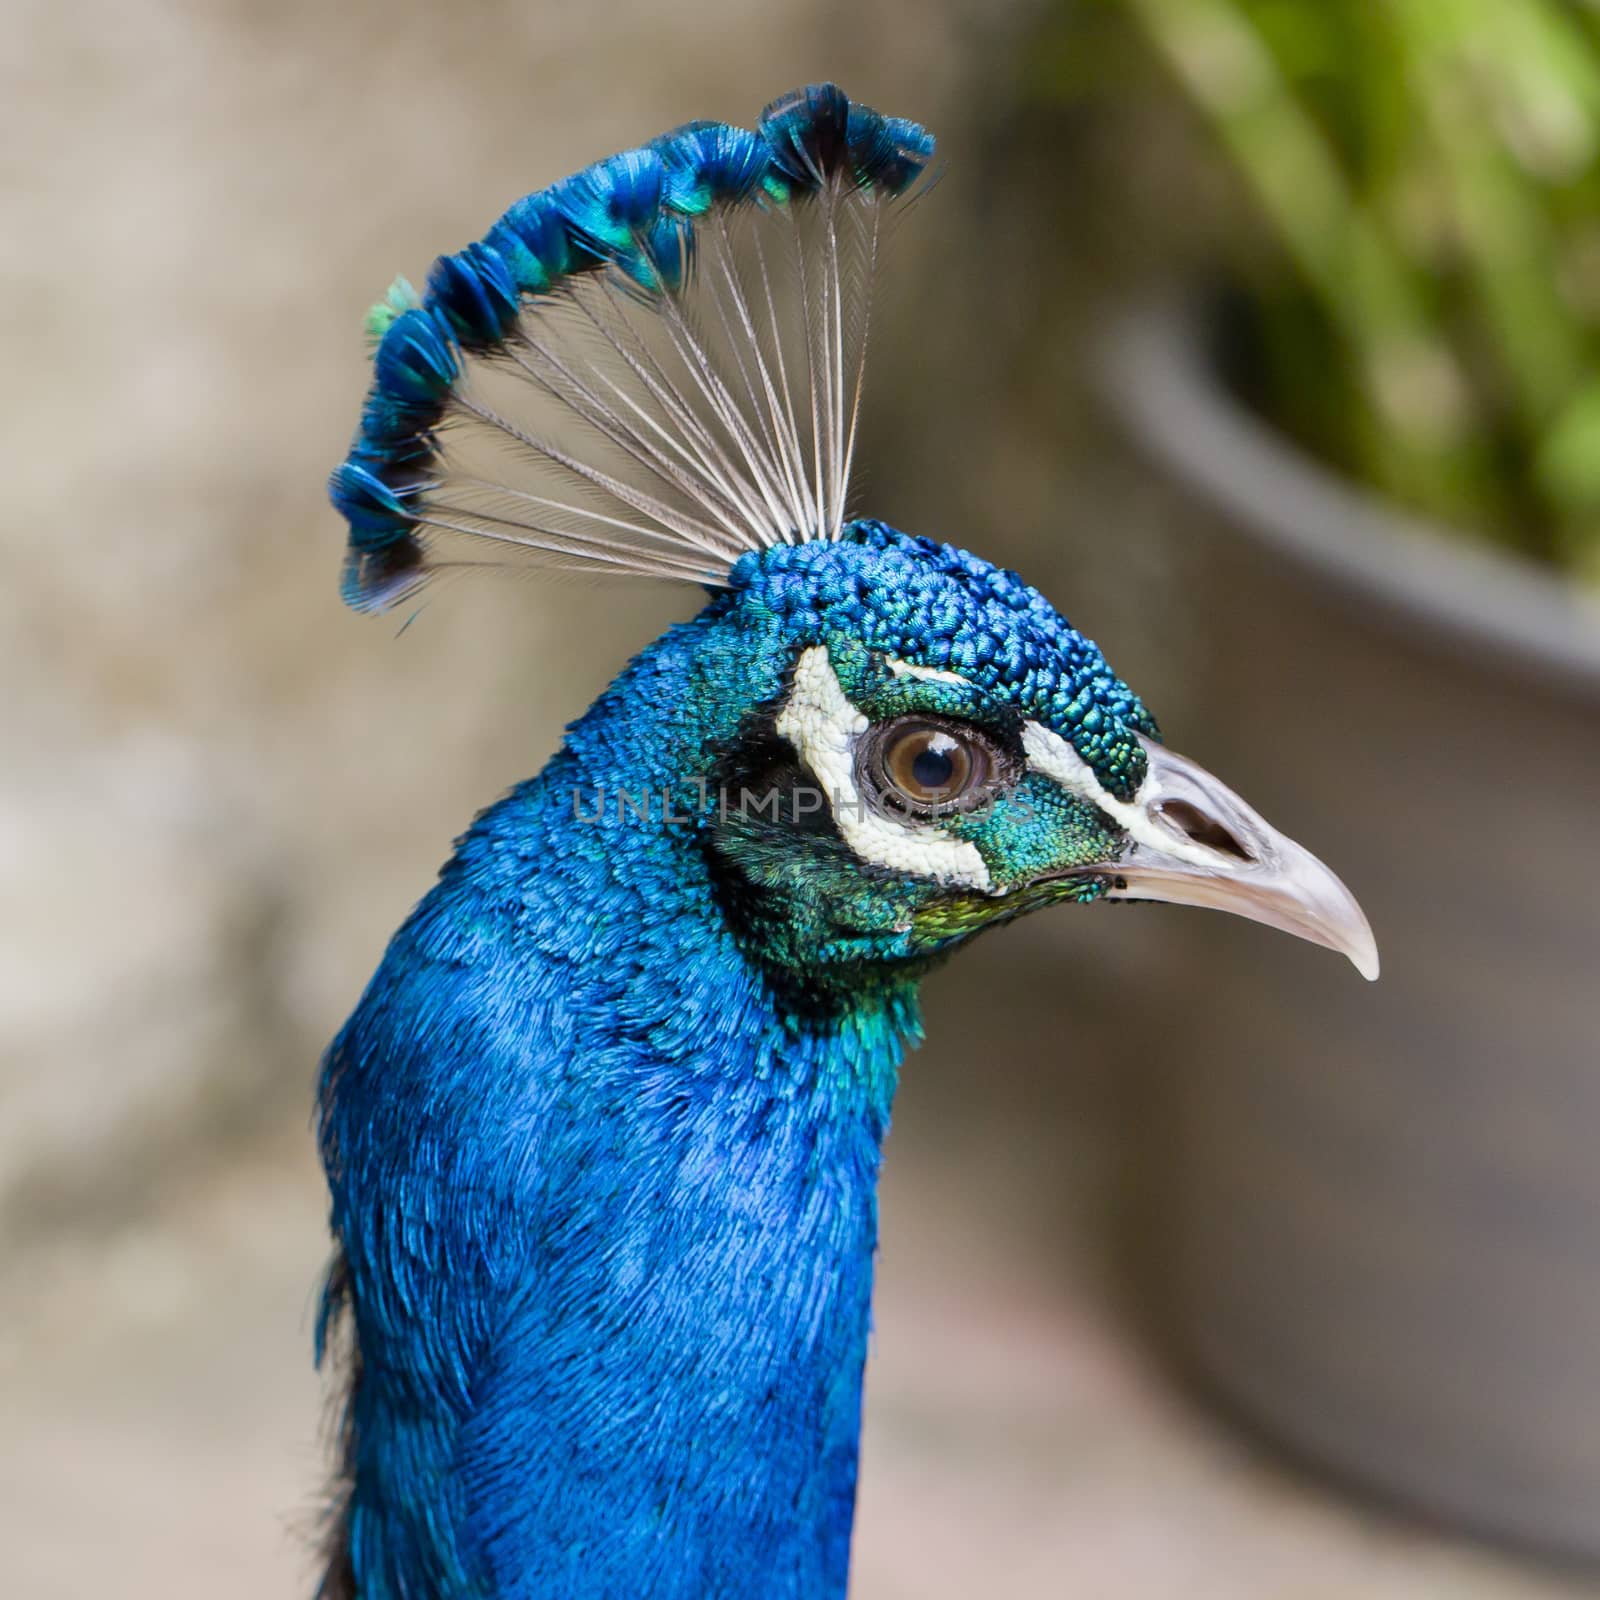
{"x":823,"y":726}
{"x":1052,"y":757}
{"x":909,"y":669}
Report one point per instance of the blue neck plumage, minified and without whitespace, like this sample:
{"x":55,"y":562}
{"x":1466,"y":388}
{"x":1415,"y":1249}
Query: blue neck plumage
{"x":606,"y":1204}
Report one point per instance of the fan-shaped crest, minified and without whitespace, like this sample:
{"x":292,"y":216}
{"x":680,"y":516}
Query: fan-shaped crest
{"x":650,"y":367}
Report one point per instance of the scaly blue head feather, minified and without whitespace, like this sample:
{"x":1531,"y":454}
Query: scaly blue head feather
{"x":602,"y":1136}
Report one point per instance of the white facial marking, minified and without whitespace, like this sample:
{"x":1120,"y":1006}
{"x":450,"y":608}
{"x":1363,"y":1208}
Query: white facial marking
{"x":1049,"y":754}
{"x":909,"y":669}
{"x":823,"y":726}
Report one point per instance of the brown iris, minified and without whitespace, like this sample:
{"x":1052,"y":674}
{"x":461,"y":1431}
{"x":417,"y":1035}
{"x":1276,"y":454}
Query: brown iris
{"x":927,"y":766}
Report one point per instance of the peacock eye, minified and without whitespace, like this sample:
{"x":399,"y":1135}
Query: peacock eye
{"x":925,"y":767}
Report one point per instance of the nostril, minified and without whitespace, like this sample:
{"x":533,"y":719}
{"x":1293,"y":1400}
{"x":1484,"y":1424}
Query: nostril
{"x":1195,"y":825}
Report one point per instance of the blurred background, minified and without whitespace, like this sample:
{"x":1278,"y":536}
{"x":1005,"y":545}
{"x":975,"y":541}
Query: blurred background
{"x":1207,"y":1269}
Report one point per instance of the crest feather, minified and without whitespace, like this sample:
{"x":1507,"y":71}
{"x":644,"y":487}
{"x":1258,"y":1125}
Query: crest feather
{"x":649,"y":368}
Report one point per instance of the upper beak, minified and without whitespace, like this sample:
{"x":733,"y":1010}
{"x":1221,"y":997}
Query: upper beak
{"x":1194,"y":842}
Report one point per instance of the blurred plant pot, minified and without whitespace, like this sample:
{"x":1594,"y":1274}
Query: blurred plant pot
{"x":1377,"y":1208}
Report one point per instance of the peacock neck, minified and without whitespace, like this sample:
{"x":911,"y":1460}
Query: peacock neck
{"x":607,"y":1201}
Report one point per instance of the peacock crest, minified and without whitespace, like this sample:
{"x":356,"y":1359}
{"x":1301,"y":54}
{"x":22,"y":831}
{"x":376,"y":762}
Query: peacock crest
{"x":652,"y":367}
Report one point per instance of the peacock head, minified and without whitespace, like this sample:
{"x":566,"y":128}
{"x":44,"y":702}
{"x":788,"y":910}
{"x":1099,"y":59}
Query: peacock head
{"x":901,"y":744}
{"x":929,"y":749}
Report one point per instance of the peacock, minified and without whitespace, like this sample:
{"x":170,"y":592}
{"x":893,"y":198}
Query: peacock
{"x":602,"y":1135}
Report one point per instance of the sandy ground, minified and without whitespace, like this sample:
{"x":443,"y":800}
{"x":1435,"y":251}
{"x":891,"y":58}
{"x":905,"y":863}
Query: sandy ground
{"x":162,"y":1421}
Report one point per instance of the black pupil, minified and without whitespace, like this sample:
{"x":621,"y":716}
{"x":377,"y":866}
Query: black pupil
{"x":932,"y":768}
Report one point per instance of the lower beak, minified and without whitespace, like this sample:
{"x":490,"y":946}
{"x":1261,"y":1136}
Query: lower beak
{"x":1194,"y":842}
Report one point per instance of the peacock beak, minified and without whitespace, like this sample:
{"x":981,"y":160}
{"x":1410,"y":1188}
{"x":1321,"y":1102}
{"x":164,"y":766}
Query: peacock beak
{"x":1192,"y":841}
